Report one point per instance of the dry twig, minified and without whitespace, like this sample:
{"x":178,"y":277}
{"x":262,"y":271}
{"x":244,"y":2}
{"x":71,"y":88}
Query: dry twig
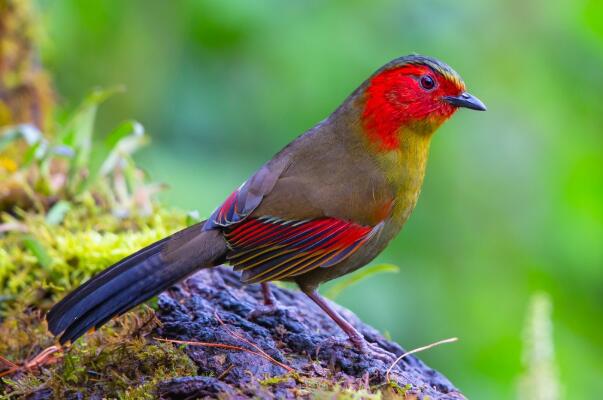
{"x":45,"y":357}
{"x":241,"y":338}
{"x":260,"y":352}
{"x":417,"y":350}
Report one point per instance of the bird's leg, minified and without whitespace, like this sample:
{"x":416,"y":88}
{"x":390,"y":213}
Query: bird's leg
{"x":355,"y":337}
{"x":269,"y":300}
{"x":269,"y":307}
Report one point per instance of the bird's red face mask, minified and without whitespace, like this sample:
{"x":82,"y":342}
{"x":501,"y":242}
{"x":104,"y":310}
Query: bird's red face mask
{"x":413,"y":96}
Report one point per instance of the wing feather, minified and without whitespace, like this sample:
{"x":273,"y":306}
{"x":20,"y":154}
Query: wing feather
{"x":266,"y":247}
{"x":270,"y":248}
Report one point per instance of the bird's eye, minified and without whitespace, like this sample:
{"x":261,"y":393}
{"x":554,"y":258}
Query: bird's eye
{"x":427,"y":82}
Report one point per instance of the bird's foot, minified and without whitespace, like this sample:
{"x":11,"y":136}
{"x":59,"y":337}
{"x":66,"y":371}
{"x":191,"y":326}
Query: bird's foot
{"x":269,"y":307}
{"x":361,"y":346}
{"x":371,"y":349}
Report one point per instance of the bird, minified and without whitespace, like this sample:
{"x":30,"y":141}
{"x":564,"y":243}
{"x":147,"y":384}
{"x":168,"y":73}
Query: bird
{"x":324,"y":206}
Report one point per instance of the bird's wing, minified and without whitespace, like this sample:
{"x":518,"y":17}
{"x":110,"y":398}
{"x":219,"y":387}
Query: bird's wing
{"x":303,"y":210}
{"x":243,"y":201}
{"x":268,"y":248}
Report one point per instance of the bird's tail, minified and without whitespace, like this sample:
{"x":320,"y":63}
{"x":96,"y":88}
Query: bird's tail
{"x":134,"y":280}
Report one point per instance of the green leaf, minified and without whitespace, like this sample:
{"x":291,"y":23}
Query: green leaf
{"x":31,"y":154}
{"x":78,"y":133}
{"x":358,"y":276}
{"x":38,"y":250}
{"x":57,"y":212}
{"x":125,"y":129}
{"x":128,"y":137}
{"x":123,"y":142}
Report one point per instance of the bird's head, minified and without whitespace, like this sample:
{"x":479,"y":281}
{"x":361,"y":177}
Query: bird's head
{"x":412,"y":94}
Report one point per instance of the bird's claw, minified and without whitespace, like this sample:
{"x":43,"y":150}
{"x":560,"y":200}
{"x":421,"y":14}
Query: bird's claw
{"x":377,"y":352}
{"x":372,"y":349}
{"x":360,"y":345}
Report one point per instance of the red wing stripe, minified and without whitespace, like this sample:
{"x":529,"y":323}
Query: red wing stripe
{"x":306,"y":228}
{"x":308,"y":243}
{"x":282,"y":232}
{"x":330,"y":239}
{"x":250,"y":235}
{"x":246,"y":228}
{"x":285,"y":235}
{"x":271,"y":248}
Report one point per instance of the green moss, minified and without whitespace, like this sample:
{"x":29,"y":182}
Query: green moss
{"x":275,"y":380}
{"x":399,"y":389}
{"x":128,"y":369}
{"x":77,"y":217}
{"x":342,"y":393}
{"x":39,"y":261}
{"x":329,"y":387}
{"x":119,"y":361}
{"x":59,"y":257}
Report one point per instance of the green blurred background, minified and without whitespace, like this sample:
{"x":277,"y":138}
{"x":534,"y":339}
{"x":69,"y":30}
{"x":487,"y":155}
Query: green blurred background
{"x":513,"y":200}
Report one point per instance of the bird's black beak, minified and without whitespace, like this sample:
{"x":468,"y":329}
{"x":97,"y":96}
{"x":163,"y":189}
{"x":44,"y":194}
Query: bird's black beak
{"x":465,"y":100}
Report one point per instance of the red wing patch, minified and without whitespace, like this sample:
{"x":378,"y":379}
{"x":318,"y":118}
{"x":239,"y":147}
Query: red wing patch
{"x":227,"y":213}
{"x":271,"y":248}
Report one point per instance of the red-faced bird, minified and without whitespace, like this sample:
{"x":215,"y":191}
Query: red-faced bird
{"x":324,"y":206}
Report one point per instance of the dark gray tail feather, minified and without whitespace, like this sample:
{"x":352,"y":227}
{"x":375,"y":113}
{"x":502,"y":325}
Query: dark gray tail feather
{"x":135,"y":279}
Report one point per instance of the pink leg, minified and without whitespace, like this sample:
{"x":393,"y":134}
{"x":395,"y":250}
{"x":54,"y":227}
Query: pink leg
{"x":269,"y":299}
{"x":355,"y":337}
{"x":269,"y":305}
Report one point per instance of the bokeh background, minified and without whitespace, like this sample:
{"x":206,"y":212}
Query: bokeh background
{"x":513,"y":200}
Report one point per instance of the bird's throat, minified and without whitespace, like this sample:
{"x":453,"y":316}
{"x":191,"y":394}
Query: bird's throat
{"x":389,"y":110}
{"x":405,"y":170}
